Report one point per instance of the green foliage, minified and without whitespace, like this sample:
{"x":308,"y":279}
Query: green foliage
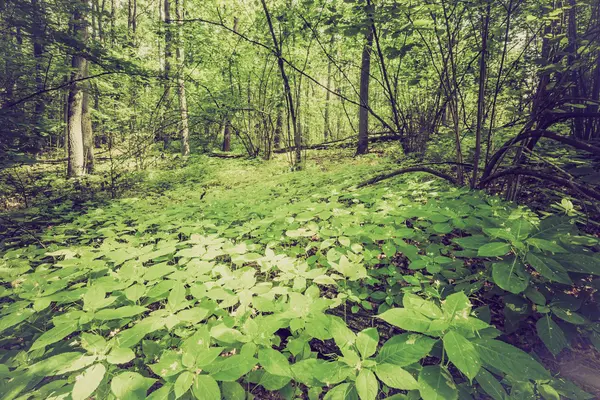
{"x":169,"y":296}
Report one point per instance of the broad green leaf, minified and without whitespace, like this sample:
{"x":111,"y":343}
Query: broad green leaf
{"x":93,"y":298}
{"x":510,"y":360}
{"x":344,"y":391}
{"x":493,"y":249}
{"x":233,"y":391}
{"x":409,"y":320}
{"x":396,"y":377}
{"x":13,"y":319}
{"x":54,"y":335}
{"x":231,"y":368}
{"x":472,"y":242}
{"x":130,"y":386}
{"x":551,"y":334}
{"x":548,"y":268}
{"x":183,"y":383}
{"x":86,"y":383}
{"x":428,"y":308}
{"x":462,"y":354}
{"x":569,"y":316}
{"x":366,"y":385}
{"x":510,"y":275}
{"x":582,"y":263}
{"x":367,"y":341}
{"x":457,"y":304}
{"x":118,"y":313}
{"x":548,"y":392}
{"x":274,"y":362}
{"x":545,"y":245}
{"x":490,"y":385}
{"x":164,"y":393}
{"x":120,"y":355}
{"x":405,"y":349}
{"x":206,"y":388}
{"x":436,"y":384}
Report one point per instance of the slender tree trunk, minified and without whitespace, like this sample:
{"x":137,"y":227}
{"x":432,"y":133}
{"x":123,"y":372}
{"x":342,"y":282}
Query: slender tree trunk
{"x":180,"y":52}
{"x":75,"y":165}
{"x":167,"y":73}
{"x":227,"y":132}
{"x":287,"y":90}
{"x":278,"y":127}
{"x":86,"y":123}
{"x":38,"y":54}
{"x":578,"y":128}
{"x":363,"y":112}
{"x":481,"y":95}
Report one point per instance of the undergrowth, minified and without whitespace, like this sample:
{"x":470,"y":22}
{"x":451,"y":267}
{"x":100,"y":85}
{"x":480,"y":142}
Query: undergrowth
{"x":228,"y":278}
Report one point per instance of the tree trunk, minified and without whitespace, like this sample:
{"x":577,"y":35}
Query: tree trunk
{"x":287,"y":90}
{"x":180,"y":53}
{"x":167,"y":73}
{"x":38,"y":53}
{"x":578,"y":128}
{"x":481,"y":95}
{"x":327,"y":129}
{"x":363,"y":112}
{"x":86,"y":123}
{"x":278,"y":127}
{"x":75,"y":166}
{"x":226,"y":136}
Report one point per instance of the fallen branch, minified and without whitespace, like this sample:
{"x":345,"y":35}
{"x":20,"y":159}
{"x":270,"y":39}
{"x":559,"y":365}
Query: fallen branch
{"x":340,"y":142}
{"x":224,"y":155}
{"x":382,"y":177}
{"x":588,"y":191}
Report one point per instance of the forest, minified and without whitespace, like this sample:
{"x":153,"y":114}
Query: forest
{"x":300,"y":199}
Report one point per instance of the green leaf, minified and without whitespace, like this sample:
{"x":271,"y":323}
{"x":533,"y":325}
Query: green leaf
{"x":55,"y":334}
{"x":569,"y":316}
{"x":510,"y":275}
{"x":409,"y":320}
{"x":493,"y":249}
{"x":457,"y":304}
{"x":86,"y":383}
{"x":231,"y":368}
{"x":425,"y":307}
{"x":510,"y":360}
{"x":462,"y":354}
{"x":582,"y":263}
{"x":396,"y":377}
{"x":118,"y":313}
{"x":130,"y":386}
{"x":436,"y":384}
{"x":367,"y":341}
{"x":548,"y":268}
{"x":490,"y":385}
{"x":344,"y":391}
{"x":183,"y":383}
{"x":366,"y":385}
{"x":548,"y":392}
{"x":120,"y":355}
{"x":15,"y":318}
{"x":233,"y":391}
{"x":274,"y":362}
{"x":206,"y":388}
{"x":472,"y":242}
{"x":545,"y":245}
{"x":405,"y":349}
{"x":551,"y":334}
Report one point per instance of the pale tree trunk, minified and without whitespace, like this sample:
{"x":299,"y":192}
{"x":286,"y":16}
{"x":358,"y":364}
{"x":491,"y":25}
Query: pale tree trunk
{"x":363,"y":111}
{"x":75,"y":166}
{"x":278,"y":127}
{"x":327,"y":129}
{"x":86,"y":123}
{"x":226,"y":146}
{"x":167,"y":72}
{"x":185,"y":130}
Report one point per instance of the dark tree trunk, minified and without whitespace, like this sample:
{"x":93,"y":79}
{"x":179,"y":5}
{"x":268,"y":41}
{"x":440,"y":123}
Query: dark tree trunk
{"x":363,"y":112}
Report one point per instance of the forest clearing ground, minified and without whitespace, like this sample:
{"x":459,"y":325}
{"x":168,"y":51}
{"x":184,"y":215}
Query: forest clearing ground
{"x":305,"y":215}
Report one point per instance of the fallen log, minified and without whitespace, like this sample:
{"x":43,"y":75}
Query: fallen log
{"x":341,"y":143}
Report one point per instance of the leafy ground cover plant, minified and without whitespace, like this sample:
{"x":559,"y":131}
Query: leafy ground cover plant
{"x":234,"y":294}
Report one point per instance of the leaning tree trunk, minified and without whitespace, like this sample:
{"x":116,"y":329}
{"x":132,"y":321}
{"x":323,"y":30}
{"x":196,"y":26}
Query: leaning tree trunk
{"x":287,"y":91}
{"x":363,"y":112}
{"x":183,"y":110}
{"x":75,"y":165}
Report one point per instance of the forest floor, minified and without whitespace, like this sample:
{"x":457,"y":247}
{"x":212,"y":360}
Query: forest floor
{"x":309,"y":214}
